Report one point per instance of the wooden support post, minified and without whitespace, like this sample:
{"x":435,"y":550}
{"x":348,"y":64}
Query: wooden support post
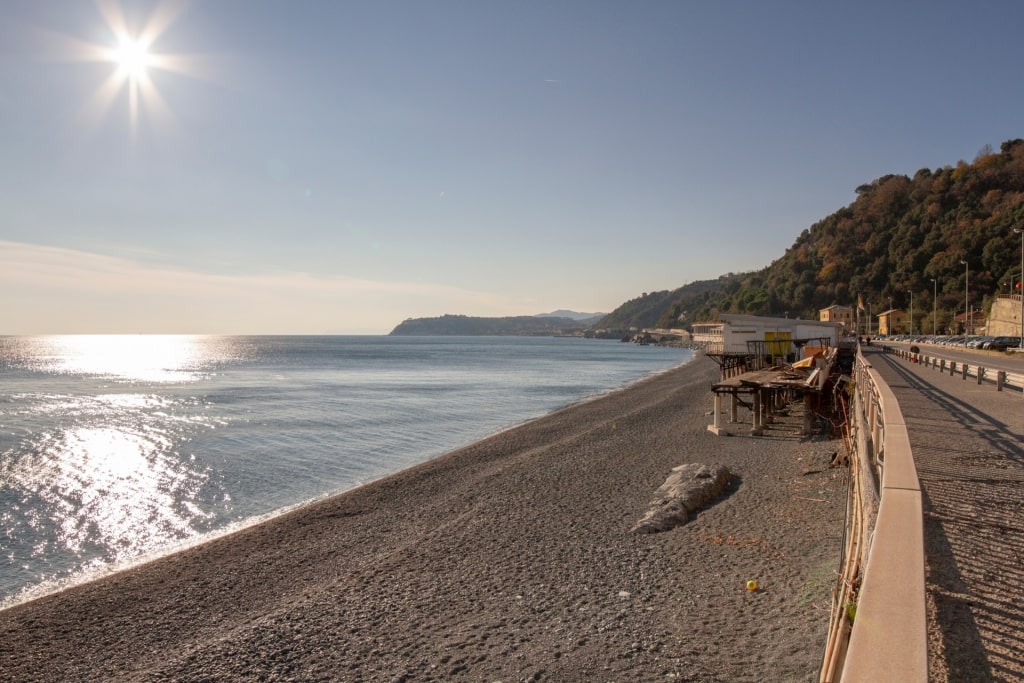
{"x":1000,"y":379}
{"x":756,"y":428}
{"x":715,"y":428}
{"x":981,"y":374}
{"x":963,"y":371}
{"x":808,"y":414}
{"x":952,"y":368}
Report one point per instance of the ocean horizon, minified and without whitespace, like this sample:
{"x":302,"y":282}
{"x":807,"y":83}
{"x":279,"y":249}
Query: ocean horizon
{"x":116,"y":449}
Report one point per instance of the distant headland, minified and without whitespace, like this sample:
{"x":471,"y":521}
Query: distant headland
{"x":559,"y":323}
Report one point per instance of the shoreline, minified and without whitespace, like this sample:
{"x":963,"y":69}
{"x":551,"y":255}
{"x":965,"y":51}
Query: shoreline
{"x":53,"y":586}
{"x":507,"y":559}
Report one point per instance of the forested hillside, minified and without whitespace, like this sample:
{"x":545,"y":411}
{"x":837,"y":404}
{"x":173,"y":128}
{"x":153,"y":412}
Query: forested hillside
{"x":649,"y":309}
{"x":898,"y":236}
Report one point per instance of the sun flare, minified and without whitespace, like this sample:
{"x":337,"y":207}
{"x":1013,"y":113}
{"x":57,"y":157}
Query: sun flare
{"x":132,"y":57}
{"x":135,"y":64}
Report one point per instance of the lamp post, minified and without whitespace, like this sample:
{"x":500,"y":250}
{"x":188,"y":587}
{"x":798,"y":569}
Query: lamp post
{"x":935,"y":304}
{"x":1021,"y":231}
{"x":967,"y":294}
{"x":911,"y":311}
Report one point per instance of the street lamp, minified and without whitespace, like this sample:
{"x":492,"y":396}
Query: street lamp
{"x":967,"y":294}
{"x":1021,"y":231}
{"x":935,"y":304}
{"x":911,"y":311}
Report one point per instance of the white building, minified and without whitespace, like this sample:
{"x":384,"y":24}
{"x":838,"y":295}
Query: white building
{"x":783,"y":338}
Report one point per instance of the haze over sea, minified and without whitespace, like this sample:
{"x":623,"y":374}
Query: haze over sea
{"x":116,"y":449}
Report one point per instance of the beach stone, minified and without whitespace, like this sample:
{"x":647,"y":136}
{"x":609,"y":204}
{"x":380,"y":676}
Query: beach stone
{"x":689,"y":488}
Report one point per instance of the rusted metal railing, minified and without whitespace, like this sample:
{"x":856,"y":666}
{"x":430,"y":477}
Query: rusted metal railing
{"x":878,"y":629}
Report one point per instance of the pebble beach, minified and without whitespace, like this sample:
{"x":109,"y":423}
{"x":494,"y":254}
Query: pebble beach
{"x":511,"y":559}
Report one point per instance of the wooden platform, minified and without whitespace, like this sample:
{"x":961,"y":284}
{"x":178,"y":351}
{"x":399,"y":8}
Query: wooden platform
{"x":769,"y":390}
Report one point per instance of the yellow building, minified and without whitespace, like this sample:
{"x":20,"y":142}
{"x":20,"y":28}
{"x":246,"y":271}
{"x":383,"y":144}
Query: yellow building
{"x":838,"y":314}
{"x":893,"y":321}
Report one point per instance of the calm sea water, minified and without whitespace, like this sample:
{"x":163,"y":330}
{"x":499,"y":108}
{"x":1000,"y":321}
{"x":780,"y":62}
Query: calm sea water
{"x":115,"y":449}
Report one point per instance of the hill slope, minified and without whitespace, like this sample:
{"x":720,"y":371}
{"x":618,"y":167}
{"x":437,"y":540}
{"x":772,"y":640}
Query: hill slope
{"x":898,"y":236}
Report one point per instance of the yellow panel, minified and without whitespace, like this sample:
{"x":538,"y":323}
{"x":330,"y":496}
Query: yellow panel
{"x":778,"y":342}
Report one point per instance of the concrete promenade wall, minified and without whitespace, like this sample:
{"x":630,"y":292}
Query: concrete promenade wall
{"x":889,"y":637}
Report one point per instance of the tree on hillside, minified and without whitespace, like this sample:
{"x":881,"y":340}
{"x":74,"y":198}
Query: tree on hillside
{"x":895,"y":237}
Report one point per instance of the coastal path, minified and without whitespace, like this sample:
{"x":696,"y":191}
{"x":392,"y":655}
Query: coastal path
{"x":968,"y":446}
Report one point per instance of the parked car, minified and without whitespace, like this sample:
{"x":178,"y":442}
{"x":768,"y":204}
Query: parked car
{"x":1002,"y":343}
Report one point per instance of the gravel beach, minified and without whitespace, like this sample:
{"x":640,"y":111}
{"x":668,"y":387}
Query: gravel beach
{"x":508,"y":560}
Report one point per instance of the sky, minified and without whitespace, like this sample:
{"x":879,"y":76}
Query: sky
{"x":335,"y":167}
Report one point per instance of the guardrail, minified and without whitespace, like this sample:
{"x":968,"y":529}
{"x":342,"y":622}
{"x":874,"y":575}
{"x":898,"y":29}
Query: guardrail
{"x":999,"y":378}
{"x":879,"y":629}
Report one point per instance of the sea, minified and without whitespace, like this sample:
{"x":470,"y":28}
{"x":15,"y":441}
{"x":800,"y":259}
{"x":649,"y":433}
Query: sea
{"x":115,"y":450}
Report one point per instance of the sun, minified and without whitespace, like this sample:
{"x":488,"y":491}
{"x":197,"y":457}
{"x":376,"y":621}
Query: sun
{"x":132,"y":57}
{"x":135,"y":63}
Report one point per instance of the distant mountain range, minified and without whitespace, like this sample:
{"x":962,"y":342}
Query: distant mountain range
{"x":560,"y":322}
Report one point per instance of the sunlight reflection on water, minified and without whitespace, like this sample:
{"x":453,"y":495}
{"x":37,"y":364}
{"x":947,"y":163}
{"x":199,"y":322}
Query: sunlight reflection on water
{"x":140,"y":358}
{"x":95,"y":474}
{"x":113,"y":486}
{"x":118,"y":449}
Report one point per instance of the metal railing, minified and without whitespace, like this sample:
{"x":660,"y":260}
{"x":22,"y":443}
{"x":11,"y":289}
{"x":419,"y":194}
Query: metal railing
{"x":1000,"y":379}
{"x":878,"y":629}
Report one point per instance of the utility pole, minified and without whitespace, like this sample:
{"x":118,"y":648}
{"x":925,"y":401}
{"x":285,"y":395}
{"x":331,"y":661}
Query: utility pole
{"x":1021,"y":231}
{"x":967,"y":298}
{"x":935,"y":306}
{"x":911,"y":311}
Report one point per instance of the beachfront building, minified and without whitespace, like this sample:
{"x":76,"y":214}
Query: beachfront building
{"x":769,"y":361}
{"x":838,"y":314}
{"x":893,"y":321}
{"x":766,"y":339}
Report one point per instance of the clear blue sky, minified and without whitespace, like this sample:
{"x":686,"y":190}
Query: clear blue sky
{"x":337,"y":166}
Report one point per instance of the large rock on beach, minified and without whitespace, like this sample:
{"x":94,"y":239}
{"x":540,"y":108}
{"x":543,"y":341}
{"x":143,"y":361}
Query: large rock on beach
{"x":688,"y":489}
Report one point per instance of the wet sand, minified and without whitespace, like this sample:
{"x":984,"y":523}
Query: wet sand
{"x":508,"y":560}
